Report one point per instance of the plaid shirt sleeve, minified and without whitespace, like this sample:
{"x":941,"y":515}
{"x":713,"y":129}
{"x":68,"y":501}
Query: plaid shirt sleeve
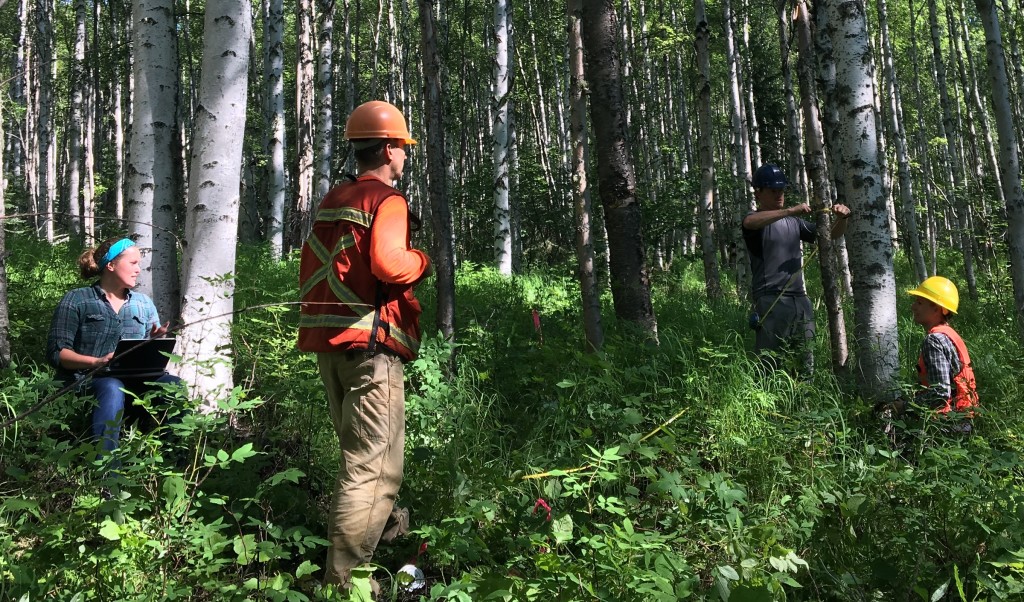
{"x":941,"y":364}
{"x":64,"y":326}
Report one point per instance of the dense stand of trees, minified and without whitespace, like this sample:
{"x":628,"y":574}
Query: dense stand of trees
{"x":910,"y":113}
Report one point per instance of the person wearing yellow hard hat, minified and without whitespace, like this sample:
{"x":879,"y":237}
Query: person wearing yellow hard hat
{"x":360,"y":316}
{"x":943,"y":366}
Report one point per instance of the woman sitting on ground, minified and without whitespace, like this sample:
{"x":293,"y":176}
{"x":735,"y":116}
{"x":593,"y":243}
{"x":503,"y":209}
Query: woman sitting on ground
{"x":87,"y":325}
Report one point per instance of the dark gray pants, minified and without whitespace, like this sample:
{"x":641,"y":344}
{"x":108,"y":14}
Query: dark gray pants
{"x":788,"y":326}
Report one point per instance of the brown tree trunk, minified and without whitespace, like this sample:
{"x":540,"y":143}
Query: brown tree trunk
{"x":437,"y":162}
{"x":630,"y":285}
{"x":580,"y":191}
{"x":706,"y":201}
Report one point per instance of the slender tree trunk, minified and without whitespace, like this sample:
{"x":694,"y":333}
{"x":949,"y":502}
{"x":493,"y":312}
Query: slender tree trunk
{"x":580,"y":191}
{"x":303,"y":215}
{"x":741,"y":154}
{"x":922,"y":145}
{"x":871,"y":252}
{"x":500,"y":98}
{"x":78,"y":83}
{"x":437,"y":161}
{"x":899,"y":136}
{"x":211,"y":218}
{"x":820,"y":198}
{"x":276,"y":137}
{"x":18,"y":87}
{"x":794,"y":146}
{"x":630,"y":281}
{"x":753,"y":129}
{"x":706,"y":200}
{"x":324,"y":142}
{"x":1009,"y":161}
{"x":152,"y":177}
{"x":45,"y":132}
{"x":954,"y":174}
{"x":5,"y":319}
{"x":117,"y":118}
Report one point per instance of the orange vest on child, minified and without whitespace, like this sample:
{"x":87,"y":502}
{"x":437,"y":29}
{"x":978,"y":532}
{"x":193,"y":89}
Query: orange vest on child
{"x":965,"y":389}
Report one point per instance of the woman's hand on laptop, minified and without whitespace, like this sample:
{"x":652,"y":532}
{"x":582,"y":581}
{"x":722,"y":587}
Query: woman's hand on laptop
{"x":158,"y":330}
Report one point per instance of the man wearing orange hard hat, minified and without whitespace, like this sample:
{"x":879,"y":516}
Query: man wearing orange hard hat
{"x":361,"y":318}
{"x":943,"y":365}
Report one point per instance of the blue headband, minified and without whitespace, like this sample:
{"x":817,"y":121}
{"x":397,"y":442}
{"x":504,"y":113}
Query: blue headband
{"x":116,"y":249}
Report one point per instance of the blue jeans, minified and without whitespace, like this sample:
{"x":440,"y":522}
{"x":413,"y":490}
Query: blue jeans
{"x":111,"y":410}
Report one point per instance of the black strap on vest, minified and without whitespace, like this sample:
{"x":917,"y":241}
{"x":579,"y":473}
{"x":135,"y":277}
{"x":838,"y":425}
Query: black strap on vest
{"x":378,"y":303}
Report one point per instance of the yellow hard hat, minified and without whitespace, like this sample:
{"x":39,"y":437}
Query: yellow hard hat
{"x":939,"y":291}
{"x":377,"y":119}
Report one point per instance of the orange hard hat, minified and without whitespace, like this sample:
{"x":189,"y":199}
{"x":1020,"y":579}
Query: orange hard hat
{"x":377,"y":119}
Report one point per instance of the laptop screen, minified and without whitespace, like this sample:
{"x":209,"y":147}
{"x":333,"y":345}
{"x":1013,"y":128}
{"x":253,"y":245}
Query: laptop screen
{"x":140,"y":358}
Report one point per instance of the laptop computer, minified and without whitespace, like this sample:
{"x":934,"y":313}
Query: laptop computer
{"x":139,"y":358}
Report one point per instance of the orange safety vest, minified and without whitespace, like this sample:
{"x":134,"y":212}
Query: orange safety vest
{"x":965,"y":391}
{"x":344,"y":306}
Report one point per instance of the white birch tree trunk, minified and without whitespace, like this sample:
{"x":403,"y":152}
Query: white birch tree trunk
{"x":899,"y":135}
{"x":1009,"y":160}
{"x":303,"y":214}
{"x":45,"y":130}
{"x":211,"y":217}
{"x":324,"y":134}
{"x":954,"y":174}
{"x":152,"y":174}
{"x":5,"y":318}
{"x":276,"y":137}
{"x":871,"y":250}
{"x":500,"y":99}
{"x":117,"y":124}
{"x":74,"y":167}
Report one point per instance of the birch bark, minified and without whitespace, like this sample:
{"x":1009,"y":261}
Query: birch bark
{"x":324,"y":132}
{"x":276,"y":136}
{"x":820,"y":195}
{"x":152,"y":177}
{"x":500,"y":98}
{"x":211,"y":218}
{"x":899,"y":136}
{"x":1009,"y":160}
{"x":871,"y":253}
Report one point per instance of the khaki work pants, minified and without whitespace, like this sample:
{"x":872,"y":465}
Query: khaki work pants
{"x":366,"y":396}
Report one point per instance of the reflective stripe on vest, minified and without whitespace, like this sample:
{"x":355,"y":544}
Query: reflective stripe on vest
{"x":340,"y":294}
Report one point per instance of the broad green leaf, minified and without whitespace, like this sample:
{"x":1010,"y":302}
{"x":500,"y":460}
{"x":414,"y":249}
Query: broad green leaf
{"x":110,"y":530}
{"x":728,"y":572}
{"x":306,"y":568}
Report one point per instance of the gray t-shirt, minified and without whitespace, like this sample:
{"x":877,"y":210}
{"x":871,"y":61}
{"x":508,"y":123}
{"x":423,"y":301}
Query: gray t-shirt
{"x":775,"y":256}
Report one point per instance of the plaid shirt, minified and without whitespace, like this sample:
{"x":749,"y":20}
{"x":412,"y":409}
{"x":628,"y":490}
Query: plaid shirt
{"x":85,"y":322}
{"x":941,"y":364}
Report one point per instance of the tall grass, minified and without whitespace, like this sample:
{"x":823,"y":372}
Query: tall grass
{"x":762,"y":486}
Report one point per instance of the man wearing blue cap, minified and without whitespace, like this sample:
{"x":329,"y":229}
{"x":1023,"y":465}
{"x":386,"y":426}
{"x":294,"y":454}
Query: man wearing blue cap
{"x":783,"y":315}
